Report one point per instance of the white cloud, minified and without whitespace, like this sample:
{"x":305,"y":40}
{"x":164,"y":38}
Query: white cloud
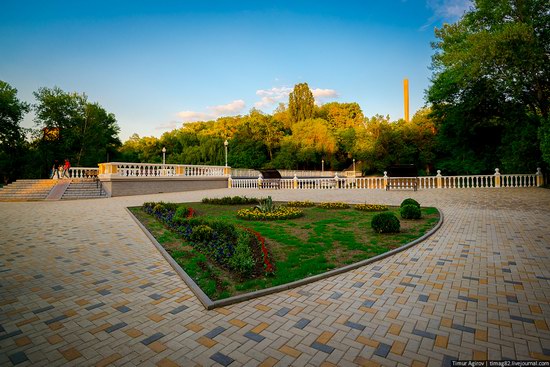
{"x":275,"y":95}
{"x":171,"y":125}
{"x":213,"y":112}
{"x":446,"y":10}
{"x":272,"y":96}
{"x":321,"y":95}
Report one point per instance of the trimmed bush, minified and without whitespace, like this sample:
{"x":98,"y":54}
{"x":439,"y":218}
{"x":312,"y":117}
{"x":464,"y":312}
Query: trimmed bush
{"x":410,"y":212}
{"x":242,"y":260}
{"x":371,"y":207}
{"x":231,"y":200}
{"x":410,"y":201}
{"x":385,"y":223}
{"x":201,"y":233}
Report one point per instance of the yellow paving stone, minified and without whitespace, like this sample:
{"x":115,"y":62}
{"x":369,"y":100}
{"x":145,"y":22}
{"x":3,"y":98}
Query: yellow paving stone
{"x":342,"y":319}
{"x":54,"y":339}
{"x":296,"y":310}
{"x":461,"y":306}
{"x":499,"y":322}
{"x":25,"y":340}
{"x":378,"y":282}
{"x":183,"y":298}
{"x":294,"y":294}
{"x":363,"y":362}
{"x":323,"y":302}
{"x":82,"y":302}
{"x":223,"y":311}
{"x":497,"y":307}
{"x":27,"y":321}
{"x":262,"y":307}
{"x":194,"y":327}
{"x":416,"y":363}
{"x":100,"y":328}
{"x":479,"y":355}
{"x":70,"y":354}
{"x":368,"y":310}
{"x":325,"y":337}
{"x":518,"y":287}
{"x":379,"y":291}
{"x":441,"y":277}
{"x":398,"y":347}
{"x":290,"y":351}
{"x":441,"y":341}
{"x":176,"y":290}
{"x":392,"y":314}
{"x":395,"y":329}
{"x":159,"y":301}
{"x":109,"y":360}
{"x":36,"y":289}
{"x":155,"y":317}
{"x":399,"y":290}
{"x":126,"y":290}
{"x":56,"y":326}
{"x":70,"y":313}
{"x":540,"y":356}
{"x":207,"y":342}
{"x":428,"y":310}
{"x":327,"y":364}
{"x":269,"y":362}
{"x":481,"y":335}
{"x":438,"y":286}
{"x":433,"y":297}
{"x":483,"y":281}
{"x":367,"y":341}
{"x":166,"y":362}
{"x":98,"y":316}
{"x":238,"y":323}
{"x":157,"y":347}
{"x":535,"y":309}
{"x":541,"y":325}
{"x":133,"y":333}
{"x":17,"y":311}
{"x":258,"y":329}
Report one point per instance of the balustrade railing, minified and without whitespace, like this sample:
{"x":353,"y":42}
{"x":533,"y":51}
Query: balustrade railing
{"x":121,"y":169}
{"x":240,"y":172}
{"x":83,"y":172}
{"x":427,"y":182}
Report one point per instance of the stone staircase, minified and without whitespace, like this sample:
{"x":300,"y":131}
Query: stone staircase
{"x":27,"y":190}
{"x":84,"y":189}
{"x":73,"y":189}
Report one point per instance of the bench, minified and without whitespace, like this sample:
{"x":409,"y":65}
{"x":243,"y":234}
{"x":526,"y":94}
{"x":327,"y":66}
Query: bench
{"x":402,"y":176}
{"x":271,"y":179}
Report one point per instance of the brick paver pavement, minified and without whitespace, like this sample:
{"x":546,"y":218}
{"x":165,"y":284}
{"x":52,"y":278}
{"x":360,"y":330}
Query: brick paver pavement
{"x":82,"y":285}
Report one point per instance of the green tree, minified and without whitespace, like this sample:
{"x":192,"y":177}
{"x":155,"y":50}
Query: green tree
{"x":491,"y":80}
{"x":301,"y":104}
{"x":12,"y":136}
{"x":71,"y":127}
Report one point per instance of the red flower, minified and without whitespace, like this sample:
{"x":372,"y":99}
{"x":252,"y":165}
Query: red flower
{"x":267,"y":263}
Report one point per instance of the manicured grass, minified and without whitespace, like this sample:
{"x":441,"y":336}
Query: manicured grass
{"x":321,"y":240}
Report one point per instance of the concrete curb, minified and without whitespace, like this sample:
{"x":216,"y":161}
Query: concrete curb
{"x":209,"y":304}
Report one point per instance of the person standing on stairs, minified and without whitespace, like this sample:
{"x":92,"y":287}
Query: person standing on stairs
{"x":66,"y":167}
{"x":55,"y":169}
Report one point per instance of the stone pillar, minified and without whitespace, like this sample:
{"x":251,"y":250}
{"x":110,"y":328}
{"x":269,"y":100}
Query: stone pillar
{"x":337,"y":179}
{"x":497,"y":177}
{"x":229,"y":182}
{"x":385,"y":179}
{"x":540,"y":178}
{"x":295,"y":182}
{"x":179,"y":170}
{"x":439,"y":179}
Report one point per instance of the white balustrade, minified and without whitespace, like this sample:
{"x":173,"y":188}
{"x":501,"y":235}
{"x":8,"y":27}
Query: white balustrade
{"x":425,"y":182}
{"x":121,"y":169}
{"x":83,"y":172}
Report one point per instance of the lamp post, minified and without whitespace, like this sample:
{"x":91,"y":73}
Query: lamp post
{"x":322,"y":165}
{"x":163,"y":155}
{"x":354,"y":175}
{"x":225,"y":144}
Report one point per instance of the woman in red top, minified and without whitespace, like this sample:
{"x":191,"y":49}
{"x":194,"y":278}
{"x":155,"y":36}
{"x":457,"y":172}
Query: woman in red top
{"x":66,"y":167}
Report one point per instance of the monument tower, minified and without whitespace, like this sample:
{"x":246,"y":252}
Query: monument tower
{"x":406,"y":98}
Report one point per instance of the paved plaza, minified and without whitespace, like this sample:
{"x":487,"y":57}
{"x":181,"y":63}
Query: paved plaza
{"x":81,"y":285}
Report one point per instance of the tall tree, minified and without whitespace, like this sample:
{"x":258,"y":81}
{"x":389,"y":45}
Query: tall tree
{"x":12,"y":137}
{"x":82,"y":131}
{"x":301,"y":104}
{"x":492,"y":79}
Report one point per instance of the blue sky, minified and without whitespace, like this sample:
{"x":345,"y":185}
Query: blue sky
{"x":157,"y":64}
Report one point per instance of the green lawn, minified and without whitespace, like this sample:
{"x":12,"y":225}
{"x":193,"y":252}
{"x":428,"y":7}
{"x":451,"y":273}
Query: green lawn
{"x":321,"y":240}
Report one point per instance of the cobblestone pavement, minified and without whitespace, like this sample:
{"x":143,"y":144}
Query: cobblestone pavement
{"x":82,"y":285}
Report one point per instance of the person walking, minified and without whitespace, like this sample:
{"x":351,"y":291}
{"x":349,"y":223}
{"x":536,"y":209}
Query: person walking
{"x":66,"y":167}
{"x":55,"y":169}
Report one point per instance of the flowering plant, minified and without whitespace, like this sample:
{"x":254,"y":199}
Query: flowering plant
{"x":371,"y":207}
{"x":279,"y":213}
{"x":300,"y":204}
{"x":335,"y":205}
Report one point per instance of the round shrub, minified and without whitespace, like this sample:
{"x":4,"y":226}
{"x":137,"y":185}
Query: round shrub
{"x":201,"y":233}
{"x":385,"y":223}
{"x":410,"y":212}
{"x":410,"y":201}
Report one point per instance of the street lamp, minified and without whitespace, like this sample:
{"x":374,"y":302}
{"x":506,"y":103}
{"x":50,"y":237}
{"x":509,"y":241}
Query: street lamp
{"x":354,"y":175}
{"x":322,"y":165}
{"x":225,"y":144}
{"x":163,"y":155}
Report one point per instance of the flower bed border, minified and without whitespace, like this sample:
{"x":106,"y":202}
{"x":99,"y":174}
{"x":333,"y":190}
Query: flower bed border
{"x":210,"y":305}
